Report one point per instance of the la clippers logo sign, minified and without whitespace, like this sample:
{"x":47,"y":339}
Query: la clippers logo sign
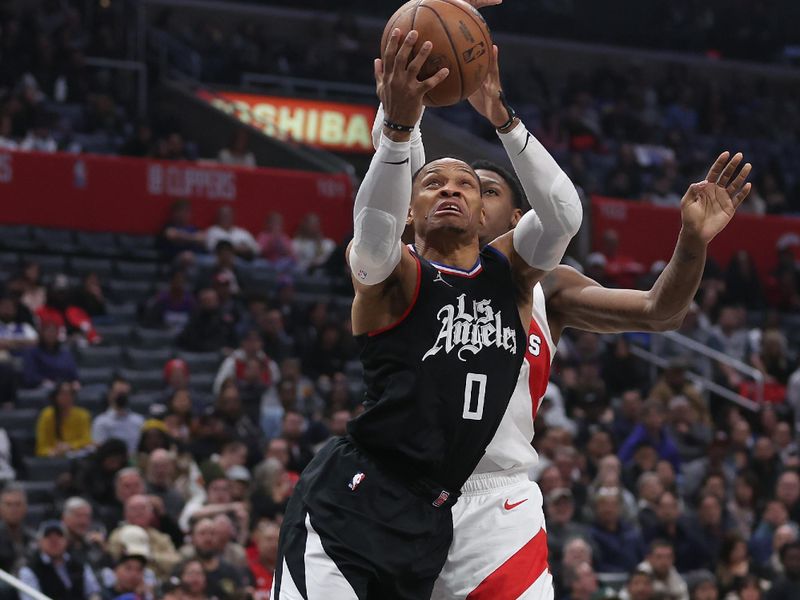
{"x":472,"y":331}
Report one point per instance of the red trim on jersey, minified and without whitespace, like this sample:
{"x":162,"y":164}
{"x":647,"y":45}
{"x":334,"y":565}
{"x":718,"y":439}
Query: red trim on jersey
{"x":410,"y":306}
{"x":517,"y":574}
{"x":537,"y":378}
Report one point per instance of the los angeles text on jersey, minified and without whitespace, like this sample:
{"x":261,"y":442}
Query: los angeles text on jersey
{"x":471,"y":331}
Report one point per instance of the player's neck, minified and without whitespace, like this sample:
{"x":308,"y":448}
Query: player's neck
{"x":457,"y":253}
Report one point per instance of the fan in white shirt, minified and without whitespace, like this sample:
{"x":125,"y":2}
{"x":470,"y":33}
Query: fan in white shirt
{"x":244,"y":244}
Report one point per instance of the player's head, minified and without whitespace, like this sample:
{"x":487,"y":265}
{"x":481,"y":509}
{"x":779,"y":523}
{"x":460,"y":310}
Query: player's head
{"x":446,"y":200}
{"x":503,"y":199}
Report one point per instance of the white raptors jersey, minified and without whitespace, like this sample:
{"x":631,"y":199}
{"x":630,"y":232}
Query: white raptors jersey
{"x":511,"y":446}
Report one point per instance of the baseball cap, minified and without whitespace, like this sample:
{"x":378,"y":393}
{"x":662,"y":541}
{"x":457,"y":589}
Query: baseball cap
{"x":134,"y":542}
{"x":558,"y":494}
{"x":238,"y":473}
{"x":50,"y":526}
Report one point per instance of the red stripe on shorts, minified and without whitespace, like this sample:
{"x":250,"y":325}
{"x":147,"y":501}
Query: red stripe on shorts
{"x":517,"y":574}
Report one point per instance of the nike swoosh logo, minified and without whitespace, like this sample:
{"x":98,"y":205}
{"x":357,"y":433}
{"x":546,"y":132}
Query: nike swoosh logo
{"x":402,"y":162}
{"x":527,"y":139}
{"x":508,"y":506}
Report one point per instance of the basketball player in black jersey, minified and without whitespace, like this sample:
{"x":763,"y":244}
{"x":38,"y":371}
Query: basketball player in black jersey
{"x":441,"y":326}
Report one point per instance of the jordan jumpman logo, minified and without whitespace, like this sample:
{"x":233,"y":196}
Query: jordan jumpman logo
{"x":440,"y":279}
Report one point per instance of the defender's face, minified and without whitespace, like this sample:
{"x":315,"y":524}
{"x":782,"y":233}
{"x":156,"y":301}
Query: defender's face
{"x":498,"y":206}
{"x":446,"y":196}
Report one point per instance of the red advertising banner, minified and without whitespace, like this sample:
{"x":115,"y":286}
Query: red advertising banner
{"x":330,"y":125}
{"x":103,"y":193}
{"x":648,"y":233}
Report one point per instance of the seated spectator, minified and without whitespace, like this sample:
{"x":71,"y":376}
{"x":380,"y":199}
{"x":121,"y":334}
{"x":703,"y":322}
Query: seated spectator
{"x":73,"y":322}
{"x":193,"y":581}
{"x":8,"y":458}
{"x":271,"y":491}
{"x":139,"y":512}
{"x":328,"y":356}
{"x":53,"y":572}
{"x":310,"y":246}
{"x":674,"y":382}
{"x":619,"y":546}
{"x":128,"y":482}
{"x":742,"y":283}
{"x":237,"y":425}
{"x":262,"y":555}
{"x":63,"y":428}
{"x":15,"y":335}
{"x":622,"y":370}
{"x":89,"y":296}
{"x":773,"y":359}
{"x":39,"y":139}
{"x":734,"y":562}
{"x":639,"y":587}
{"x":179,"y":240}
{"x":660,"y":564}
{"x":648,"y":490}
{"x":275,"y":243}
{"x":172,"y":307}
{"x":222,"y":577}
{"x":236,"y":153}
{"x":223,"y":541}
{"x":129,"y":575}
{"x":140,"y":144}
{"x":85,"y":545}
{"x":580,"y":583}
{"x":609,"y":475}
{"x":788,"y":586}
{"x":207,"y":330}
{"x":244,"y":245}
{"x":653,"y":431}
{"x":689,"y":548}
{"x":240,"y":482}
{"x":293,"y":431}
{"x":118,"y":421}
{"x":277,"y":343}
{"x":234,"y":366}
{"x":160,"y":479}
{"x":620,"y":269}
{"x":692,"y":436}
{"x":17,"y":540}
{"x":561,"y":524}
{"x":217,"y":499}
{"x":785,"y":534}
{"x":729,"y":336}
{"x":28,"y":284}
{"x":49,"y":361}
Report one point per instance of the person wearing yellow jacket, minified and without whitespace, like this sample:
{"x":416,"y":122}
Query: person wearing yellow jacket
{"x":63,"y":427}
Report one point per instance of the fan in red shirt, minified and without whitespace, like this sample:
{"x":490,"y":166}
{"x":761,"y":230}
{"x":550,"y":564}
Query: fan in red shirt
{"x":262,"y":555}
{"x":59,"y":309}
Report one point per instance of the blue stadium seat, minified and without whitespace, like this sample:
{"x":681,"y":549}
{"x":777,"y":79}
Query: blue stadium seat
{"x":19,"y":420}
{"x":39,"y":492}
{"x":97,"y":243}
{"x":201,"y":382}
{"x":114,"y":334}
{"x":137,"y":271}
{"x":122,"y":313}
{"x":9,"y":261}
{"x":17,"y":237}
{"x":37,"y":398}
{"x":141,"y":403}
{"x":83,"y":266}
{"x":201,"y":361}
{"x":144,"y":381}
{"x":50,"y":263}
{"x":309,"y":284}
{"x":99,"y":356}
{"x":153,"y":338}
{"x":55,"y":240}
{"x":142,"y":247}
{"x":151,"y":358}
{"x":96,"y":375}
{"x":45,"y":468}
{"x":24,"y":443}
{"x":129,"y":291}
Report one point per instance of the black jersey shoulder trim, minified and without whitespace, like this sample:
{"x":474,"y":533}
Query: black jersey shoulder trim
{"x":410,"y":306}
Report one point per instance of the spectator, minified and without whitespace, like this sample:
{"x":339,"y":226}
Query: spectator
{"x":180,"y":241}
{"x":619,"y":546}
{"x":118,"y":421}
{"x":85,"y":545}
{"x":139,"y":513}
{"x":206,"y":330}
{"x":217,"y":499}
{"x":730,"y":337}
{"x":785,"y":534}
{"x":561,"y":526}
{"x":15,"y":335}
{"x":160,"y":481}
{"x":742,"y":283}
{"x":63,"y":428}
{"x":72,"y":321}
{"x":244,"y":245}
{"x":240,"y":483}
{"x":581,"y":582}
{"x":275,"y":243}
{"x":639,"y":586}
{"x":28,"y":283}
{"x":692,"y":437}
{"x":8,"y":458}
{"x":238,"y":426}
{"x":89,"y":296}
{"x":223,"y":578}
{"x":225,"y":279}
{"x":231,"y":551}
{"x":272,"y":490}
{"x":690,"y":550}
{"x":660,"y":564}
{"x":311,"y":248}
{"x":140,"y":144}
{"x":237,"y":153}
{"x":674,"y":383}
{"x":293,"y":430}
{"x":262,"y":555}
{"x":741,"y":507}
{"x":54,"y":572}
{"x":788,"y":586}
{"x":172,"y":307}
{"x":749,"y":588}
{"x":622,"y":370}
{"x":787,"y":491}
{"x":734,"y":562}
{"x":129,"y":572}
{"x":193,"y":581}
{"x":653,"y":431}
{"x":16,"y":539}
{"x":234,"y":366}
{"x":276,"y":342}
{"x":702,"y":585}
{"x":49,"y":361}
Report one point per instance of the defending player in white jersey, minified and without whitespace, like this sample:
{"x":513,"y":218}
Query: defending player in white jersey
{"x":499,"y":548}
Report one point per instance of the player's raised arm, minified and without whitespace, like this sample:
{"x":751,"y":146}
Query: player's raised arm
{"x":382,"y":202}
{"x":574,"y":300}
{"x":550,"y":192}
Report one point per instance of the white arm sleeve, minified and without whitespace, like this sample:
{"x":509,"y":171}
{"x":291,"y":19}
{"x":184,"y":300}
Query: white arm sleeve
{"x":550,"y":193}
{"x":417,"y":149}
{"x":380,"y":211}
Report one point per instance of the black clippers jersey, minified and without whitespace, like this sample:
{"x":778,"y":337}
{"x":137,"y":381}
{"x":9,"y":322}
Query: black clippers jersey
{"x":439,"y":381}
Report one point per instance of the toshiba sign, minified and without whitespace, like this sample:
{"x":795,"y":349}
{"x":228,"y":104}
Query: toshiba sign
{"x":330,"y":125}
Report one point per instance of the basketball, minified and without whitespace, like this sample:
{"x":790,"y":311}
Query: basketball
{"x":461,"y":42}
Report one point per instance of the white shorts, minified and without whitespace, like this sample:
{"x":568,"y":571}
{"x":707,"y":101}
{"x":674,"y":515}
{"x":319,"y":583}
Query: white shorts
{"x":499,"y":549}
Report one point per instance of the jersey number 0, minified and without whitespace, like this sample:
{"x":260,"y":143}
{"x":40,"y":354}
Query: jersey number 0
{"x":474,"y":380}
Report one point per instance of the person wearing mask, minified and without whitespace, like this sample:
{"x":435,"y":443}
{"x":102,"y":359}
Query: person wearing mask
{"x":63,"y":428}
{"x":118,"y":421}
{"x":54,"y":572}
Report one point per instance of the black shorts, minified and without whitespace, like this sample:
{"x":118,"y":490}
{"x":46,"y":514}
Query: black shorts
{"x":353,"y":532}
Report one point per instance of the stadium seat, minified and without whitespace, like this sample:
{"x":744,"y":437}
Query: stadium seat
{"x":9,"y":261}
{"x":45,"y":468}
{"x":50,"y":263}
{"x":309,"y":284}
{"x":22,"y":419}
{"x":152,"y":358}
{"x":141,"y":247}
{"x":113,"y":335}
{"x":99,"y":375}
{"x":202,"y":382}
{"x":38,"y":513}
{"x":83,"y":266}
{"x":141,"y":403}
{"x":125,"y":312}
{"x":137,"y":271}
{"x":129,"y":291}
{"x":16,"y":237}
{"x":39,"y":492}
{"x":32,"y":398}
{"x":24,"y":443}
{"x":99,"y":356}
{"x":201,"y":361}
{"x":55,"y":240}
{"x":143,"y":381}
{"x":97,"y":243}
{"x":153,"y":338}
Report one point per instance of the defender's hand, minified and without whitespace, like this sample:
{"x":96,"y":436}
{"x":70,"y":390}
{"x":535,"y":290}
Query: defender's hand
{"x":396,"y":79}
{"x":708,"y":206}
{"x":487,"y":99}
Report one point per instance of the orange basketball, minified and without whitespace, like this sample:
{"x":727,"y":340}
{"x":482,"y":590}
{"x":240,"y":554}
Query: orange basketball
{"x":461,"y":42}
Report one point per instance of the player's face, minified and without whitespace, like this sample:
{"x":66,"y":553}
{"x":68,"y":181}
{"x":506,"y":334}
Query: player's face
{"x":498,"y":206}
{"x":446,"y":197}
